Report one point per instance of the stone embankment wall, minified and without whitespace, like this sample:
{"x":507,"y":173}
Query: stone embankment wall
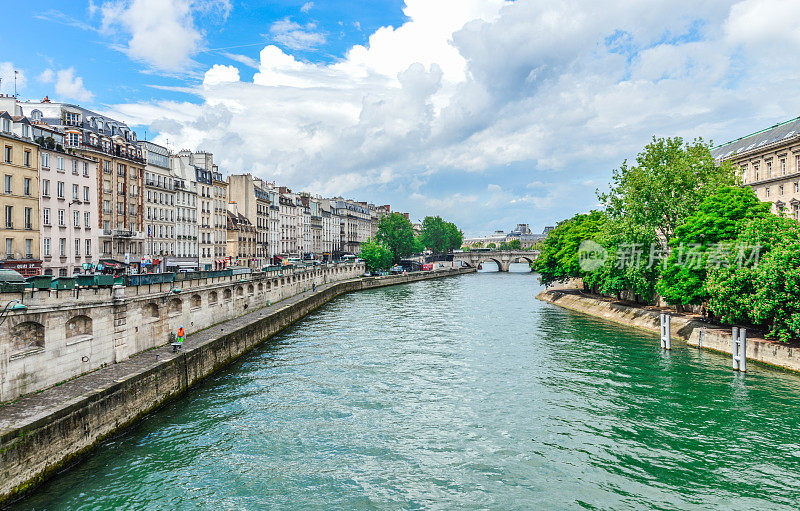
{"x":63,"y":334}
{"x":41,"y":433}
{"x":694,"y":332}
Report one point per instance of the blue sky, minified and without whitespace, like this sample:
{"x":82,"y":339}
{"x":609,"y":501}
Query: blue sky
{"x":486,"y":112}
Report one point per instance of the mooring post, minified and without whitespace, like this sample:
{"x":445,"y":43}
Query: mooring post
{"x":668,"y":332}
{"x":742,"y":350}
{"x":735,"y":347}
{"x":661,"y":319}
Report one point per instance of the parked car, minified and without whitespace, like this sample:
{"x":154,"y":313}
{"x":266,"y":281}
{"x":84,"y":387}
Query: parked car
{"x":396,"y":270}
{"x":427,"y":267}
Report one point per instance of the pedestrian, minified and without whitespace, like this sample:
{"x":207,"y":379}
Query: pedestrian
{"x":181,"y":335}
{"x":314,"y":287}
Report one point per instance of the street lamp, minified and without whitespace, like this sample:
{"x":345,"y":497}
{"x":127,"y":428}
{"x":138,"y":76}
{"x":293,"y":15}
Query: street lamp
{"x":12,"y":306}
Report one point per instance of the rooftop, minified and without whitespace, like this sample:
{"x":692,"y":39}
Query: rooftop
{"x":777,"y":133}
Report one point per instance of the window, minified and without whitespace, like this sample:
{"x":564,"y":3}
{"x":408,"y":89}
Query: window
{"x":6,"y":125}
{"x":783,"y":167}
{"x":87,"y":219}
{"x":61,"y":217}
{"x":796,"y":187}
{"x":120,"y":169}
{"x":60,"y":189}
{"x":86,"y":169}
{"x":46,"y":160}
{"x":75,"y":192}
{"x":106,"y":167}
{"x":766,"y":191}
{"x":75,"y":167}
{"x":85,"y":194}
{"x":74,"y":139}
{"x":88,"y":247}
{"x":780,"y":190}
{"x":28,"y":213}
{"x":36,"y":115}
{"x":28,"y":248}
{"x":77,"y":247}
{"x":62,"y":247}
{"x":71,"y":118}
{"x":45,"y":187}
{"x":46,"y":246}
{"x":60,"y":163}
{"x":46,"y":216}
{"x":755,"y":169}
{"x":76,"y":219}
{"x":120,"y":208}
{"x":25,"y":131}
{"x":8,"y":154}
{"x":9,"y":248}
{"x":26,"y":158}
{"x":9,"y":217}
{"x":106,"y":206}
{"x":26,"y":186}
{"x":106,"y":186}
{"x":769,"y":169}
{"x":7,"y":183}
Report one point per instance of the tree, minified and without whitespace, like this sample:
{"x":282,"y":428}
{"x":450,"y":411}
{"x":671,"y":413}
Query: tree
{"x":419,"y":247}
{"x":477,"y":244}
{"x":515,"y":245}
{"x":396,"y":233}
{"x":376,"y":256}
{"x":667,"y":184}
{"x":440,"y":236}
{"x":696,"y":243}
{"x":759,"y":283}
{"x":558,"y":258}
{"x":491,"y":245}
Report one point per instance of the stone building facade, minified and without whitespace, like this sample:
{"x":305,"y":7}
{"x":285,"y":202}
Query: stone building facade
{"x":768,"y":161}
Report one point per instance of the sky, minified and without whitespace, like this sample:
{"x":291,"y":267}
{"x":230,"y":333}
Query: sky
{"x":486,"y":112}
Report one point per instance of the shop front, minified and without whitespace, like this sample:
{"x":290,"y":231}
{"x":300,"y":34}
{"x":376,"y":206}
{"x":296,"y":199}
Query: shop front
{"x":26,"y":267}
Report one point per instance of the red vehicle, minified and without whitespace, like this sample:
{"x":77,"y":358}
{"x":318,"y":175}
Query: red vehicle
{"x":427,"y":267}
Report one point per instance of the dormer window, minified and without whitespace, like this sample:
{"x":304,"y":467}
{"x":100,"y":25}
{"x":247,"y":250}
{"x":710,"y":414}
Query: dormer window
{"x":6,"y":125}
{"x":36,"y":115}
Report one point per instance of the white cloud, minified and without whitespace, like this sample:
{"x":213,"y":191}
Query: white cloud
{"x":307,"y":7}
{"x":295,"y":36}
{"x":161,"y":33}
{"x":67,"y":84}
{"x":220,"y":74}
{"x":569,"y":88}
{"x":7,"y":75}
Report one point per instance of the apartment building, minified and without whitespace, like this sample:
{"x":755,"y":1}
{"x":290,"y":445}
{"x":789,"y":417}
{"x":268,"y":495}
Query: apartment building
{"x":241,"y":238}
{"x":252,"y":196}
{"x":220,"y":218}
{"x":159,"y":207}
{"x":19,"y":201}
{"x":68,"y":206}
{"x":120,"y":173}
{"x":184,"y":180}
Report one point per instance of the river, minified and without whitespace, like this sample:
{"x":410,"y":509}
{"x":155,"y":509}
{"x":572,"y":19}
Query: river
{"x":463,"y":392}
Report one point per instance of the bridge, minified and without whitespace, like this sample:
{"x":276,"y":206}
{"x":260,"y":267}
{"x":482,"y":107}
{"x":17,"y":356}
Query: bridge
{"x":503,"y":258}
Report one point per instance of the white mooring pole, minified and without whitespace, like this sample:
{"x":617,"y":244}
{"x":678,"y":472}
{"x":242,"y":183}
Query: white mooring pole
{"x":739,"y":349}
{"x":666,"y":331}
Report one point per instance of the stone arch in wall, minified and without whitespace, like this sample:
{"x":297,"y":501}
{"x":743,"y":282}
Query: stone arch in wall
{"x":175,"y":306}
{"x":227,"y":293}
{"x":260,"y":286}
{"x":27,"y":335}
{"x":213,"y":297}
{"x":78,"y":328}
{"x":239,"y":291}
{"x":196,"y":301}
{"x":250,"y":289}
{"x":150,"y":311}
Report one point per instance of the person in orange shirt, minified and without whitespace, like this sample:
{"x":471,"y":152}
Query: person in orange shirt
{"x":179,"y":341}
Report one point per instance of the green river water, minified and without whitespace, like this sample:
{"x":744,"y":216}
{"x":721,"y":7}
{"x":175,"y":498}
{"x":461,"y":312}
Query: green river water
{"x":458,"y":393}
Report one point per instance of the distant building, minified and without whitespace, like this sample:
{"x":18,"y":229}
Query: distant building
{"x":768,"y":161}
{"x":521,"y":232}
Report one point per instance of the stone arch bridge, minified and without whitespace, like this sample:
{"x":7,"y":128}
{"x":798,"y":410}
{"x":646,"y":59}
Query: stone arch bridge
{"x":503,"y":258}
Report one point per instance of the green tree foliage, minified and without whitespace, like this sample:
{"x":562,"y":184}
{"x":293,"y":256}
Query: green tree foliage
{"x":515,"y":245}
{"x":491,"y":245}
{"x":696,"y":242}
{"x":419,"y":246}
{"x":558,"y":256}
{"x":440,"y":236}
{"x":630,"y":266}
{"x":760,"y":284}
{"x":396,"y":233}
{"x":376,"y":256}
{"x":667,"y":184}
